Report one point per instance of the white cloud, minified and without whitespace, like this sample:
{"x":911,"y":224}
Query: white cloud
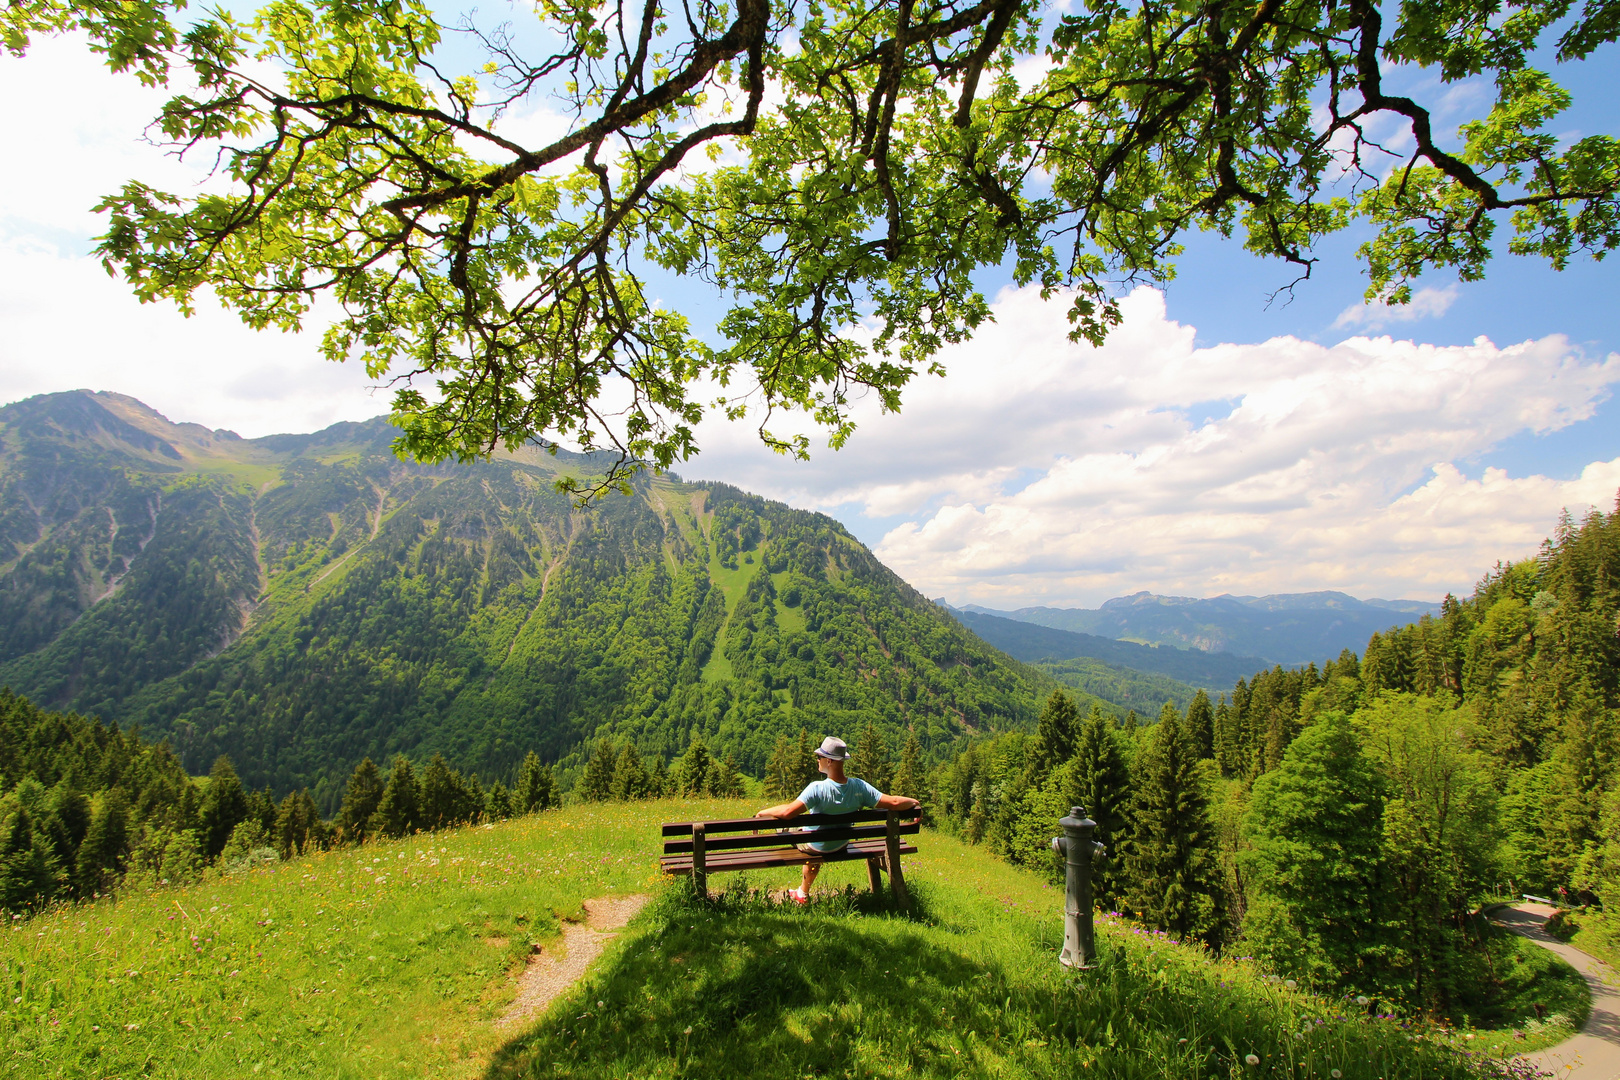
{"x":68,"y":325}
{"x":1278,"y":466}
{"x":1426,"y":303}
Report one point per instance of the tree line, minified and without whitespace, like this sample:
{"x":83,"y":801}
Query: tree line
{"x":1344,"y":824}
{"x":88,"y":807}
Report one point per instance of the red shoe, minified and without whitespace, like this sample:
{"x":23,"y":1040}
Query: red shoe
{"x":799,"y":896}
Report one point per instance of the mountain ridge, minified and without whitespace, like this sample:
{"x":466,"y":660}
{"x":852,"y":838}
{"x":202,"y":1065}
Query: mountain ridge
{"x":1291,"y":629}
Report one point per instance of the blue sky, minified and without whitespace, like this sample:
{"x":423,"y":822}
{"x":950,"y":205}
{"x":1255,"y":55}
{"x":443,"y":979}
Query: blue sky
{"x":1215,"y":444}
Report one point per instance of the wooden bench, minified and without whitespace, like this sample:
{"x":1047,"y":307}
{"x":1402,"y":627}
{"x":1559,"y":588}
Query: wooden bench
{"x":701,"y":848}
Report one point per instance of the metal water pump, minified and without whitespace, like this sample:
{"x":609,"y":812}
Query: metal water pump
{"x":1078,"y":849}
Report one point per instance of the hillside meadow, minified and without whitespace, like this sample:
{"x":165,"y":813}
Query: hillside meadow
{"x":397,"y":958}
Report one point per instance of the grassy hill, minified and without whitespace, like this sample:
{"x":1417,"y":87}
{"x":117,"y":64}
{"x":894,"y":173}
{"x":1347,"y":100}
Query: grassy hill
{"x":395,"y":959}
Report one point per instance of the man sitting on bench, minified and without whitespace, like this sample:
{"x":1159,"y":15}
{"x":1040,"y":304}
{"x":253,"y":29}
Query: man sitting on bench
{"x":837,"y":794}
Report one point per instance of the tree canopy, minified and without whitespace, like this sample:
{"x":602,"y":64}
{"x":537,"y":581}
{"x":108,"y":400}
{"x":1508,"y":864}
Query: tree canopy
{"x":838,"y":169}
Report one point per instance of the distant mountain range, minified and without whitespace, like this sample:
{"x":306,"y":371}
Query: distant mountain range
{"x":1030,"y":642}
{"x":1284,"y":628}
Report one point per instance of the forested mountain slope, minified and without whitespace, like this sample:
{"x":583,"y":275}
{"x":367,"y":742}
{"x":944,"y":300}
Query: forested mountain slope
{"x":302,"y":602}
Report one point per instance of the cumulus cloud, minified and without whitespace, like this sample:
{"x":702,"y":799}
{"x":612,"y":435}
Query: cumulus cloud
{"x":1041,"y":471}
{"x":1426,"y":303}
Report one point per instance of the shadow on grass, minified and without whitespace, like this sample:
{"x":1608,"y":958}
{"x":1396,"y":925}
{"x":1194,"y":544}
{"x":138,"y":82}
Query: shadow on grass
{"x":742,"y":986}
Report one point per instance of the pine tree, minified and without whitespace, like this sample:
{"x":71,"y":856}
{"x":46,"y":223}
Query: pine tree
{"x":908,"y":782}
{"x":1228,"y":740}
{"x":298,"y":826}
{"x":805,"y":754}
{"x":1097,"y":779}
{"x":497,"y":803}
{"x":782,"y":771}
{"x":360,"y":799}
{"x":692,"y":770}
{"x":397,"y":812}
{"x":101,"y":856}
{"x":1201,"y":726}
{"x":871,"y":761}
{"x":438,"y":805}
{"x":1170,"y":865}
{"x":1056,"y":735}
{"x":597,"y":783}
{"x":629,"y":775}
{"x":536,"y":788}
{"x":471,"y":798}
{"x":658,"y":779}
{"x":28,"y":876}
{"x":725,"y":782}
{"x":224,"y":804}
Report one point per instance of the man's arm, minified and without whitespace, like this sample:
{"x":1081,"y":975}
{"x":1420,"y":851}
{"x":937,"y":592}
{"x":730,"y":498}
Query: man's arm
{"x":896,"y":802}
{"x":785,"y":810}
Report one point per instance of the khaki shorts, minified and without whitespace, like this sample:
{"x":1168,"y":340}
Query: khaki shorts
{"x":808,"y":850}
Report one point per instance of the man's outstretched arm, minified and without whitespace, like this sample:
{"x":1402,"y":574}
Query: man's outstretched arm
{"x":896,"y":802}
{"x":785,"y":810}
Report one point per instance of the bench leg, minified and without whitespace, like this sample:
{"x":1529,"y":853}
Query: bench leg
{"x":700,"y":871}
{"x":897,"y":879}
{"x":873,"y":876}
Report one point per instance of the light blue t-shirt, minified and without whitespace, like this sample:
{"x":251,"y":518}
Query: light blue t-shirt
{"x":826,"y":796}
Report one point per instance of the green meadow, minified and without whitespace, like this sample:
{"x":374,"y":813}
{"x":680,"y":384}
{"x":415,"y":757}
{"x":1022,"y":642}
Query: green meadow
{"x":398,"y":959}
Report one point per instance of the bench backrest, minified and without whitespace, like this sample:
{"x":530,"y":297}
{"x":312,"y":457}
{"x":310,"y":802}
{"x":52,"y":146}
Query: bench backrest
{"x":859,"y":825}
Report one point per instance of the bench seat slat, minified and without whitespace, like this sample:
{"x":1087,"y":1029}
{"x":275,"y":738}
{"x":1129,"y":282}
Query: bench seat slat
{"x":755,"y":860}
{"x":684,"y":828}
{"x":782,"y":839}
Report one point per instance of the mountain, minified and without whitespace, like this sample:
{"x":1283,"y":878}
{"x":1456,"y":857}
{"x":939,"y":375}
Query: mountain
{"x":1031,"y":642}
{"x":1285,"y":628}
{"x":303,"y":601}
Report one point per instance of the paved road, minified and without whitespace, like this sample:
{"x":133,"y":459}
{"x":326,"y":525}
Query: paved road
{"x":1594,"y":1054}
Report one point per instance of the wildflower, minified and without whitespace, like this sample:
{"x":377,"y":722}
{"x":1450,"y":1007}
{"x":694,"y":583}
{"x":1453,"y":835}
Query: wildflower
{"x":601,"y":1004}
{"x":1336,"y":1074}
{"x":1290,"y":984}
{"x":1361,"y":999}
{"x":1253,"y":1059}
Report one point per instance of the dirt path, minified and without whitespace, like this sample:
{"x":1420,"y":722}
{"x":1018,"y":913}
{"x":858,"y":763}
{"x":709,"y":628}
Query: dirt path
{"x":1594,"y":1054}
{"x":561,"y":965}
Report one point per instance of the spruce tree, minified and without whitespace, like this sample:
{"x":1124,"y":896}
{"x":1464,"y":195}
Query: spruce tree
{"x":497,"y":803}
{"x":28,"y":878}
{"x":1097,"y":779}
{"x":596,"y":785}
{"x":535,"y":785}
{"x":1170,"y":864}
{"x":908,"y":781}
{"x":438,"y":799}
{"x":805,"y":753}
{"x":360,"y":799}
{"x":782,"y":770}
{"x":1314,"y":828}
{"x":629,"y":775}
{"x":725,"y":781}
{"x":692,"y":770}
{"x":224,"y":805}
{"x":658,"y":778}
{"x":1201,"y":725}
{"x":101,"y":856}
{"x":870,"y":760}
{"x":397,"y":812}
{"x":1056,"y":736}
{"x":471,"y":797}
{"x":1228,"y":740}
